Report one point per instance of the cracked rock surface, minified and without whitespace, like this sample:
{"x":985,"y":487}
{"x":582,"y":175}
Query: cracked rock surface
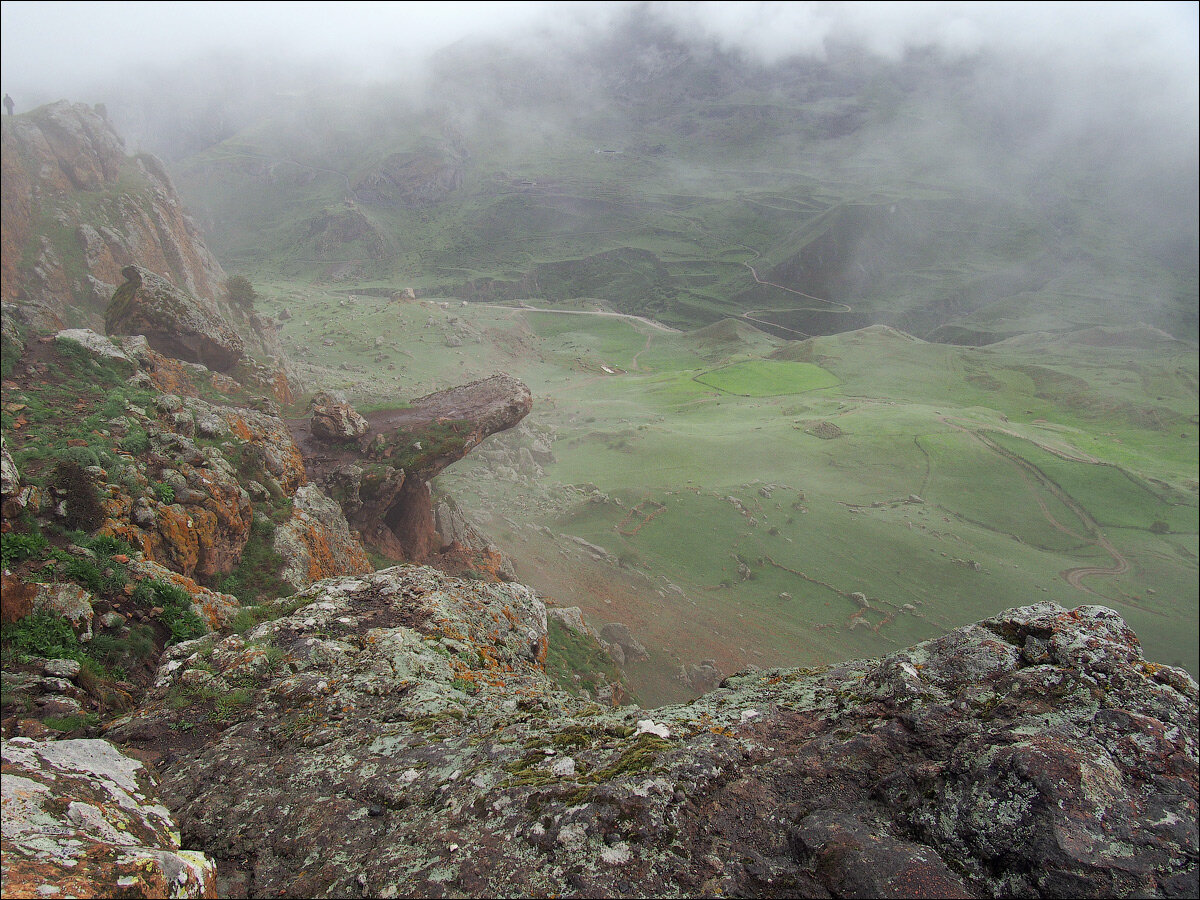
{"x":397,"y":736}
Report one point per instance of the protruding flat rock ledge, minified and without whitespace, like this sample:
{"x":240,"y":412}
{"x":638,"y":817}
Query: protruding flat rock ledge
{"x":378,"y":466}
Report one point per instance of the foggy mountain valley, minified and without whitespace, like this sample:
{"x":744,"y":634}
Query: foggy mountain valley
{"x":825,"y":329}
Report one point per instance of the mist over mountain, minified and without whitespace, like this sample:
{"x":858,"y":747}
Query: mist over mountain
{"x":1031,"y":169}
{"x":1076,"y":131}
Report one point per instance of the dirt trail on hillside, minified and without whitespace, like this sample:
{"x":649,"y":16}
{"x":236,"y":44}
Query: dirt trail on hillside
{"x":1074,"y":576}
{"x":526,"y":307}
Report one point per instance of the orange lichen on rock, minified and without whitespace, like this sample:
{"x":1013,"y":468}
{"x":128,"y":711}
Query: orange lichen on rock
{"x":171,"y":376}
{"x":321,"y":563}
{"x":16,"y":598}
{"x":174,"y":541}
{"x":215,"y":608}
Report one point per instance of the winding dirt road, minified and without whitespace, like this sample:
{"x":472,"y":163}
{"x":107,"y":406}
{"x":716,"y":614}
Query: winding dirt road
{"x":1074,"y":576}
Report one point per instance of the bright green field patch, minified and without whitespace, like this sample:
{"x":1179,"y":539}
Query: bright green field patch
{"x":768,"y":378}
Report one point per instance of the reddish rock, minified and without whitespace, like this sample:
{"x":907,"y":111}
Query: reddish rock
{"x":16,"y":598}
{"x":54,"y":157}
{"x":83,"y":820}
{"x":175,"y":323}
{"x":316,"y":542}
{"x":381,"y":480}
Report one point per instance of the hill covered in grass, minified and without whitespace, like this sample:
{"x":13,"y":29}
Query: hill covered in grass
{"x":942,"y":197}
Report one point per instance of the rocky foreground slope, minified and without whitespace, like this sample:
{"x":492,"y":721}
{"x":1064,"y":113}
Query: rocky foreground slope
{"x":395,"y":735}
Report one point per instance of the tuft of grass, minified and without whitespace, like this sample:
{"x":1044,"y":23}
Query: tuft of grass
{"x":256,"y":577}
{"x":572,"y":654}
{"x":77,"y":722}
{"x":41,"y":634}
{"x":16,"y":548}
{"x":177,"y":612}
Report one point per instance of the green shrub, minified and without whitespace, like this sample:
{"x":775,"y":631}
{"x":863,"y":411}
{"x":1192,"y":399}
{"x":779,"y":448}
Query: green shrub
{"x":80,"y":456}
{"x":177,"y":612}
{"x":256,"y":577}
{"x":109,"y":545}
{"x":135,"y":647}
{"x":136,"y":442}
{"x":99,"y":573}
{"x":164,"y":492}
{"x":15,"y":548}
{"x":40,"y":634}
{"x":239,"y":291}
{"x":77,"y":722}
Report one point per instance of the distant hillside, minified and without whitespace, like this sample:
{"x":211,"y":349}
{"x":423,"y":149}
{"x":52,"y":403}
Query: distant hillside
{"x":691,"y":186}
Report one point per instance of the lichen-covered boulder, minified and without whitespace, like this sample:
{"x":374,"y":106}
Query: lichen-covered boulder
{"x":10,"y":478}
{"x":81,"y":819}
{"x":173,"y":321}
{"x":336,"y":420}
{"x":441,"y":428}
{"x":315,"y":542}
{"x":68,"y":601}
{"x":97,"y":345}
{"x":1034,"y":754}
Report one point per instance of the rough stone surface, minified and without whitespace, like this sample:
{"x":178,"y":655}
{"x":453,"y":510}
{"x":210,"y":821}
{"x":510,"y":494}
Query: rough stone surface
{"x":173,"y":321}
{"x":619,"y":634}
{"x":1034,"y":754}
{"x":381,"y":477}
{"x":83,"y":820}
{"x":334,"y":420}
{"x":96,"y":344}
{"x":10,"y":478}
{"x":316,"y":542}
{"x":572,"y":617}
{"x":65,"y":161}
{"x":69,"y":601}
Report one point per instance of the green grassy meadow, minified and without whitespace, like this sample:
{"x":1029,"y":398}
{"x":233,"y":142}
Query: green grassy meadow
{"x":960,"y":481}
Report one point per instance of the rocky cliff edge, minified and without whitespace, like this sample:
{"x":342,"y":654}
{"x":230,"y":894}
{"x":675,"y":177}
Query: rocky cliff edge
{"x":395,"y":735}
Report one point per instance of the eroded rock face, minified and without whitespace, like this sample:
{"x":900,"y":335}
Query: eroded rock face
{"x":65,"y":161}
{"x":441,"y":428}
{"x":316,"y":541}
{"x":10,"y":478}
{"x":1034,"y":754}
{"x":174,"y":322}
{"x":83,"y":820}
{"x":333,"y":419}
{"x":380,"y":474}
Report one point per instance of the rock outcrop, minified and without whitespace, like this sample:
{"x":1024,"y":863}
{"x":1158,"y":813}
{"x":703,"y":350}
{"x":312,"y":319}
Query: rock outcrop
{"x":412,"y":180}
{"x":83,"y":820}
{"x":333,"y":419}
{"x":65,"y":162}
{"x":175,"y":323}
{"x":378,"y":467}
{"x":316,"y":541}
{"x":195,"y":510}
{"x":1033,"y":754}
